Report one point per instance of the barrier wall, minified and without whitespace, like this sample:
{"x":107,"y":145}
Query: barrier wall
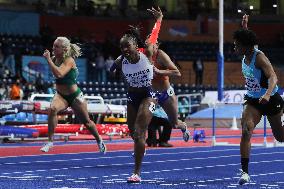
{"x":188,"y":30}
{"x":34,"y":65}
{"x":19,"y":23}
{"x":232,"y":71}
{"x":87,"y":27}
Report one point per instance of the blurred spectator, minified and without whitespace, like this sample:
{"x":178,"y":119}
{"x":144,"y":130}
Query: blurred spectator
{"x":9,"y":60}
{"x":123,"y":6}
{"x":183,"y":108}
{"x":3,"y":92}
{"x":160,"y":119}
{"x":19,"y":77}
{"x":39,"y":83}
{"x":109,"y":61}
{"x":51,"y":89}
{"x":2,"y":67}
{"x":198,"y":68}
{"x":16,"y":92}
{"x":100,"y":67}
{"x":29,"y":90}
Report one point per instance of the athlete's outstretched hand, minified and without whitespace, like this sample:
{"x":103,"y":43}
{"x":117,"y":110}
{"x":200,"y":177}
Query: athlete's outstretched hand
{"x":245,"y":21}
{"x":157,"y":13}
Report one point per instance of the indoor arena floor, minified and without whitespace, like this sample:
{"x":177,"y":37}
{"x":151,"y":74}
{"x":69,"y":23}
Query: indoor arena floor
{"x":77,"y":164}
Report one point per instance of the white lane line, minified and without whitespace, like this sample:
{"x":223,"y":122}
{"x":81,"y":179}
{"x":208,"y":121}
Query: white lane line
{"x":122,"y":156}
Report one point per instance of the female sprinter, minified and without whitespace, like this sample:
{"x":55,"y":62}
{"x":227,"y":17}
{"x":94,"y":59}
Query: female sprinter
{"x":64,"y":69}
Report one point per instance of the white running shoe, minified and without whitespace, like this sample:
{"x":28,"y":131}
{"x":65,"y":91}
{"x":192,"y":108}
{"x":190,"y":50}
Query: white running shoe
{"x":134,"y":179}
{"x":245,"y":178}
{"x":46,"y":147}
{"x":102,"y":147}
{"x":186,"y":135}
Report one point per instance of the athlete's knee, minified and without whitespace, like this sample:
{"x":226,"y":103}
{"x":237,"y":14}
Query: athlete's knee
{"x":246,"y":132}
{"x":138,"y":136}
{"x":88,"y":123}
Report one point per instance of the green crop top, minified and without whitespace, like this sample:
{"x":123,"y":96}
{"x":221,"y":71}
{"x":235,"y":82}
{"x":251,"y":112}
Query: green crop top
{"x":69,"y":78}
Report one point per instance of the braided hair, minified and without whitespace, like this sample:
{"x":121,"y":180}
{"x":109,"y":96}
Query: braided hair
{"x":134,"y":31}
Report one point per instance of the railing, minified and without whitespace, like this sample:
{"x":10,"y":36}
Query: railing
{"x":188,"y":103}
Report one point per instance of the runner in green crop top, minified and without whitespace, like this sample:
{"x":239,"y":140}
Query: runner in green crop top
{"x":68,"y":94}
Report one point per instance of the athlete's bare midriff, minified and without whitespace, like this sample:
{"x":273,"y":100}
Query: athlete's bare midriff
{"x":66,"y":89}
{"x":160,"y":85}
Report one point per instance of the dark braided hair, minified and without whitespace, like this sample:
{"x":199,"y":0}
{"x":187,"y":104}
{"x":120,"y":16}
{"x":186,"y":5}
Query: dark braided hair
{"x":245,"y":37}
{"x":135,"y":32}
{"x":129,"y":37}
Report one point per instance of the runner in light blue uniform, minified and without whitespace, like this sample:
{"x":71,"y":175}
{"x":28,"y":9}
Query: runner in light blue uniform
{"x":262,"y":97}
{"x":256,"y":81}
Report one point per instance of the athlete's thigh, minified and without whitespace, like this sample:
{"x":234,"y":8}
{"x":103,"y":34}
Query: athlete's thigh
{"x":58,"y":103}
{"x":131,"y":116}
{"x":145,"y":114}
{"x":276,"y":124}
{"x":171,"y":108}
{"x":79,"y":107}
{"x":250,"y":117}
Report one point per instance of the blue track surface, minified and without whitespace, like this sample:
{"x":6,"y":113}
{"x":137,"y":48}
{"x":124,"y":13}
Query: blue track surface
{"x":200,"y":167}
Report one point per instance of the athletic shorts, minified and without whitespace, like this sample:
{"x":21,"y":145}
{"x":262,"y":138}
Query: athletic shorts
{"x":164,"y":95}
{"x":273,"y":107}
{"x":135,"y":97}
{"x":70,"y":98}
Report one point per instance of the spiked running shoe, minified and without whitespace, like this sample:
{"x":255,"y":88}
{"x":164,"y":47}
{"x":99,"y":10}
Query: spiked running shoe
{"x":185,"y":134}
{"x":102,"y":147}
{"x":245,"y":178}
{"x":46,"y":147}
{"x":134,"y":179}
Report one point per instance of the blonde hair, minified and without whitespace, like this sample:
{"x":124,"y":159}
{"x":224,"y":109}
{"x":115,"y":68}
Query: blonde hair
{"x":72,"y":50}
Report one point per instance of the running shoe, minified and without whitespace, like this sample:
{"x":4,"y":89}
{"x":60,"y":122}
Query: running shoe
{"x":102,"y":147}
{"x":185,"y":134}
{"x":134,"y":179}
{"x":245,"y":178}
{"x":46,"y":147}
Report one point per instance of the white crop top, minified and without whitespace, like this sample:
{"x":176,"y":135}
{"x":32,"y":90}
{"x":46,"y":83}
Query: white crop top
{"x":139,"y":74}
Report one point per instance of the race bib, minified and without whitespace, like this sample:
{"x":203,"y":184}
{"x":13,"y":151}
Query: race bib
{"x":170,"y":91}
{"x":252,"y":84}
{"x":152,"y":107}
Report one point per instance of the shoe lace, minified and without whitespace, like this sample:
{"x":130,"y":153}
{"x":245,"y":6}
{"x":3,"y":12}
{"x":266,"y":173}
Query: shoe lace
{"x":241,"y":172}
{"x":135,"y":176}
